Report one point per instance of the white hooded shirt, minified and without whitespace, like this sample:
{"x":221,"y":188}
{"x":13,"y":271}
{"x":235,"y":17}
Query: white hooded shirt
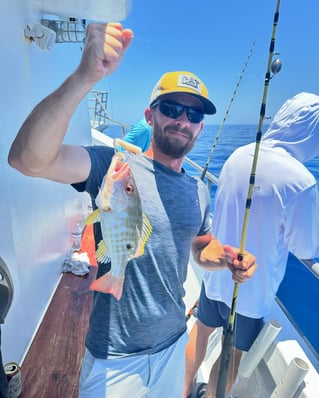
{"x":284,"y":213}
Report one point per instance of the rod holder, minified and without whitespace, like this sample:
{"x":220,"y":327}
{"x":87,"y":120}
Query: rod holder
{"x":291,"y":379}
{"x":260,"y":346}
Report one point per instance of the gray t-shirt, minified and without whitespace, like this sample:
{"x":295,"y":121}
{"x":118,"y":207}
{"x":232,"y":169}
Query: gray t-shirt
{"x":150,"y":315}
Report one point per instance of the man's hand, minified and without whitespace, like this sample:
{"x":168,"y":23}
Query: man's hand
{"x":241,"y":270}
{"x":210,"y":254}
{"x":105,"y":45}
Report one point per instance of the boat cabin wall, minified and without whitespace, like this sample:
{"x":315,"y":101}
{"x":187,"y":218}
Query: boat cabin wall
{"x":37,"y":216}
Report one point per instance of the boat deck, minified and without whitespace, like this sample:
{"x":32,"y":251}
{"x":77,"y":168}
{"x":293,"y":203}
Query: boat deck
{"x":52,"y":365}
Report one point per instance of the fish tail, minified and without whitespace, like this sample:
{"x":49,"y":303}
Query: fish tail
{"x":109,"y":283}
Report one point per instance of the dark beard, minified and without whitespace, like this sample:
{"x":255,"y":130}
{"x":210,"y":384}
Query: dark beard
{"x":169,"y":145}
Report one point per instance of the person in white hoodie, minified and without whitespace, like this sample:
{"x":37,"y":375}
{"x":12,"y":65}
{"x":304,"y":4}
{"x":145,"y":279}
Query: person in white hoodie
{"x":284,"y":217}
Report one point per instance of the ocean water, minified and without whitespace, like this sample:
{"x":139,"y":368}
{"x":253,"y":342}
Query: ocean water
{"x":300,"y":288}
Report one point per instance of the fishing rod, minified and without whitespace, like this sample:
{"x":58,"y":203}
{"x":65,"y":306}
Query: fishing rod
{"x":227,"y":346}
{"x":192,"y":311}
{"x":227,"y":112}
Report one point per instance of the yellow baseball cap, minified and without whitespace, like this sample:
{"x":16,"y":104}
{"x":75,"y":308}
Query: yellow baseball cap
{"x":183,"y":82}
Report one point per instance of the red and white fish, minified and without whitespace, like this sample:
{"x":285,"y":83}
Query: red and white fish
{"x":125,"y":228}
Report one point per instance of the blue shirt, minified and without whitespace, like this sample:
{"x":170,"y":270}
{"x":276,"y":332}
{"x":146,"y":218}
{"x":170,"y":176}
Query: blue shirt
{"x":140,"y":135}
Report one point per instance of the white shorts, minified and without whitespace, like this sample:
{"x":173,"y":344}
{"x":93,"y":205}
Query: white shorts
{"x":139,"y":376}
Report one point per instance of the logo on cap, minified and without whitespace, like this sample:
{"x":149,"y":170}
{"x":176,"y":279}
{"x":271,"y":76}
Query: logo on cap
{"x":189,"y":82}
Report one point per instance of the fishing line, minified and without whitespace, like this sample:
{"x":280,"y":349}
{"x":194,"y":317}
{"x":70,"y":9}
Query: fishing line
{"x":141,"y":38}
{"x":229,"y":333}
{"x":227,"y":112}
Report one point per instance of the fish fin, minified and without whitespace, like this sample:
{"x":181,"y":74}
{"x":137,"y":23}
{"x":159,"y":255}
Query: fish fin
{"x":145,"y":234}
{"x":147,"y":228}
{"x":109,"y":284}
{"x":102,"y":254}
{"x":93,"y":217}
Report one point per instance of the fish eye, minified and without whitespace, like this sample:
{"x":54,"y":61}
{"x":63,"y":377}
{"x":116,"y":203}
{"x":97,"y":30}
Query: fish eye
{"x":129,"y":188}
{"x":129,"y":246}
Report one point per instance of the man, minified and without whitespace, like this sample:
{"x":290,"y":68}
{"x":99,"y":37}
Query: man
{"x":284,"y":216}
{"x":135,"y":346}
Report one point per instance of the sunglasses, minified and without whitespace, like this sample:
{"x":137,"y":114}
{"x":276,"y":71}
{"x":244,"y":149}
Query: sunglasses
{"x":173,"y":110}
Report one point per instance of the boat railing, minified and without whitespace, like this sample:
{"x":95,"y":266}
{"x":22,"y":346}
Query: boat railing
{"x":312,"y":265}
{"x":210,"y":178}
{"x":99,"y":116}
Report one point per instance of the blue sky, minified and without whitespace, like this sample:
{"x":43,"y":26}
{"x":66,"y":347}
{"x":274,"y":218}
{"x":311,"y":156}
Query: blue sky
{"x":213,"y":39}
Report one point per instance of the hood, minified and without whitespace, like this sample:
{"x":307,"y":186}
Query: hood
{"x":295,"y":127}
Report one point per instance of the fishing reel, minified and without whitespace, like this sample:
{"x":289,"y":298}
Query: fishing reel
{"x":275,"y":65}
